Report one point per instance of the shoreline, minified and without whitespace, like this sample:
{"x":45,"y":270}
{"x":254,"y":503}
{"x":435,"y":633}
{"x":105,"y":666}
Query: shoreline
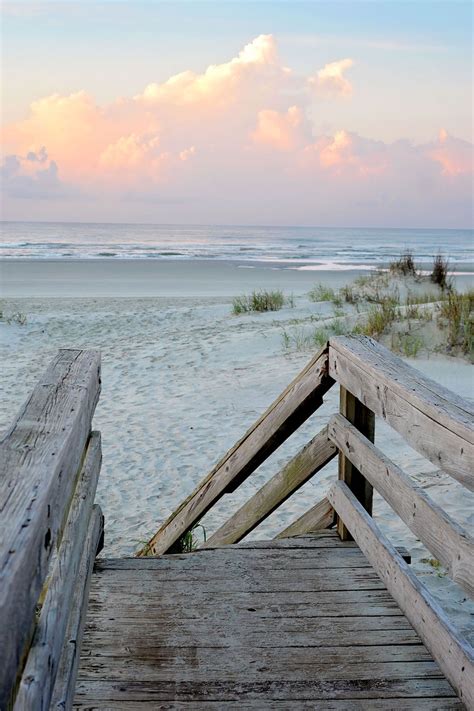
{"x":42,"y":278}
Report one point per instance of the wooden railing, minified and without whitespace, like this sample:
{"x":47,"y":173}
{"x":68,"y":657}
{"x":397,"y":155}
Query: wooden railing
{"x":434,"y":421}
{"x":50,"y":531}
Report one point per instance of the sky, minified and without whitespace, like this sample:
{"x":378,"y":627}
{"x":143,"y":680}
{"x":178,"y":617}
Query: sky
{"x":286,"y":113}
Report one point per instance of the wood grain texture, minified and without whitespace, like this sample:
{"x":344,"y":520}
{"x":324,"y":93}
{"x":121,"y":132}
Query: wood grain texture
{"x":304,"y":465}
{"x":64,"y":687}
{"x":415,"y":704}
{"x":40,"y":457}
{"x":454,"y":655}
{"x":260,"y":692}
{"x":300,"y":400}
{"x":39,"y":674}
{"x":321,"y":515}
{"x":363,"y":420}
{"x":445,"y":538}
{"x":270,"y":626}
{"x":434,"y":421}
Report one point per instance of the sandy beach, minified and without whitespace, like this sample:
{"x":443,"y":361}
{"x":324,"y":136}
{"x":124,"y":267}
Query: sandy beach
{"x":183,"y":378}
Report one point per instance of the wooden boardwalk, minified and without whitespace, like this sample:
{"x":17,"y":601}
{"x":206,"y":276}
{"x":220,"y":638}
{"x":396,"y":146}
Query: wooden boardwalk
{"x":298,"y":623}
{"x":328,"y":615}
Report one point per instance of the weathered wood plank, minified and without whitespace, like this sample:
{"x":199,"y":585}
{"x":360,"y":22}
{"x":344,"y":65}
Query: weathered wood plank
{"x":197,"y":662}
{"x":37,"y":680}
{"x":415,"y":704}
{"x":250,"y":631}
{"x":40,"y":458}
{"x":195,"y":603}
{"x":135,"y":609}
{"x":217,"y":562}
{"x":326,"y":538}
{"x":309,"y":460}
{"x":302,"y":580}
{"x":263,"y":691}
{"x":301,"y":669}
{"x":302,"y":397}
{"x":319,"y":516}
{"x":454,"y":655}
{"x":445,"y":538}
{"x":434,"y":421}
{"x":364,"y":420}
{"x":64,"y":687}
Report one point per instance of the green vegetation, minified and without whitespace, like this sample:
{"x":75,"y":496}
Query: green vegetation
{"x":457,"y":316}
{"x":439,"y":274}
{"x":185,"y":544}
{"x":404,"y":265}
{"x":436,"y":565}
{"x":407,"y":344}
{"x":188,"y":542}
{"x":379,"y":317}
{"x":260,"y":301}
{"x":349,"y":294}
{"x":301,"y":339}
{"x":320,"y":292}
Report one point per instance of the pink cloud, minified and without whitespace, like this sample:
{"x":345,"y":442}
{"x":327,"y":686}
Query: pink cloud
{"x":281,"y":131}
{"x":233,"y":133}
{"x":454,"y":155}
{"x":330,"y":80}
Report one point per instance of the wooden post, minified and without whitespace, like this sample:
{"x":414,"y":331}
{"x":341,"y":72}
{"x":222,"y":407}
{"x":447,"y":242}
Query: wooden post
{"x":363,"y":420}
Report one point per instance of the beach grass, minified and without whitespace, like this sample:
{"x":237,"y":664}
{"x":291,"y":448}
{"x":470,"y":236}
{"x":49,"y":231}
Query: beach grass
{"x":439,"y":273}
{"x":404,"y":265}
{"x":260,"y":301}
{"x":407,"y":344}
{"x":321,"y":292}
{"x":457,"y":318}
{"x":300,"y":338}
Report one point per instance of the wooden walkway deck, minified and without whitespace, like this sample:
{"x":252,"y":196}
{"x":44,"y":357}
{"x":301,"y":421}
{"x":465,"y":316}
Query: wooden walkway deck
{"x":296,"y":623}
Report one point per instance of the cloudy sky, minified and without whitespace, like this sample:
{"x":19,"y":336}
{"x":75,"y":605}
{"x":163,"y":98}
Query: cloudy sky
{"x":340,"y":113}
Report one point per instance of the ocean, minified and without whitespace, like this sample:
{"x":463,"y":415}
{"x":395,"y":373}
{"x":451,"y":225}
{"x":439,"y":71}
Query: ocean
{"x":305,"y":248}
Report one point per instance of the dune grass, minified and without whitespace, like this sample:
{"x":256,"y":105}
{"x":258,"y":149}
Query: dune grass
{"x":439,"y":273}
{"x":260,"y":301}
{"x":321,"y":292}
{"x":457,"y":316}
{"x":301,"y":338}
{"x":404,"y":265}
{"x":407,"y":344}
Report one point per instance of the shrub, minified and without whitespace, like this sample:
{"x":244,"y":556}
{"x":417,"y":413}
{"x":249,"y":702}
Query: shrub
{"x":404,"y":265}
{"x":439,"y":274}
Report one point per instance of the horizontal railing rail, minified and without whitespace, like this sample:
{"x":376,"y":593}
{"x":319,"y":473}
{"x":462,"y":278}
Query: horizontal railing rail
{"x":444,"y":537}
{"x":49,"y":466}
{"x":433,"y":420}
